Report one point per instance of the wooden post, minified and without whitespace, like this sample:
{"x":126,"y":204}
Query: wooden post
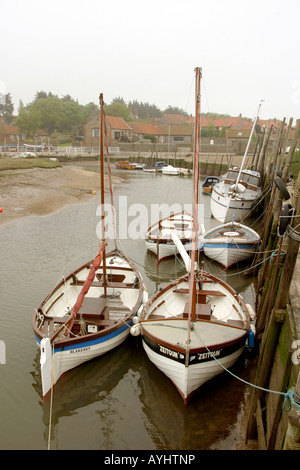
{"x":292,"y":252}
{"x":291,"y":152}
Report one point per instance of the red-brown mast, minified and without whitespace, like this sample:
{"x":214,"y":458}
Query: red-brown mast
{"x":192,"y":289}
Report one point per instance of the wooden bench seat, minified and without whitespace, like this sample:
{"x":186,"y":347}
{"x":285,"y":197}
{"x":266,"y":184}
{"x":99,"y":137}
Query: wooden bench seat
{"x":113,"y":285}
{"x":215,"y":293}
{"x":203,"y":311}
{"x":201,"y":294}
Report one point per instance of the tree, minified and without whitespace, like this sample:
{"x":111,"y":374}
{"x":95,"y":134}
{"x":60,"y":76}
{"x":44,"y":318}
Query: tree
{"x":145,"y":110}
{"x":40,"y":95}
{"x":6,"y":108}
{"x":118,"y":110}
{"x":174,"y":110}
{"x":28,"y":121}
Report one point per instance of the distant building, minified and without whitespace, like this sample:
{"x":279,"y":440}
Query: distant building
{"x":117,"y":131}
{"x":120,"y":131}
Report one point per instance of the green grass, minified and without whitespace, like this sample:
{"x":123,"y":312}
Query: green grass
{"x":26,"y":163}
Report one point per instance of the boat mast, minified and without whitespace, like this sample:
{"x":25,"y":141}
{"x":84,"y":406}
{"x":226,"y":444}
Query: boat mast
{"x":192,"y":288}
{"x":102,"y":186}
{"x":247,"y":148}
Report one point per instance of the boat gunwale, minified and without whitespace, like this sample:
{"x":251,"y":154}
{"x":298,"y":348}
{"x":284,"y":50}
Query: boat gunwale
{"x":165,"y":218}
{"x":182,"y":350}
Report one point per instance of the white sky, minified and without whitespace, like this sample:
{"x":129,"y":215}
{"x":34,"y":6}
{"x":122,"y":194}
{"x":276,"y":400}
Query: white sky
{"x":147,"y":50}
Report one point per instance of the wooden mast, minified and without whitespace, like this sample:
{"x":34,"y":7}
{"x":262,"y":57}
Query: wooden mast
{"x":192,"y":289}
{"x":102,"y":186}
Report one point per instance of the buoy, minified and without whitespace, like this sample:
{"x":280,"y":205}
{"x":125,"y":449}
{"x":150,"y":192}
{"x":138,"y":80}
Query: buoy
{"x":94,"y":192}
{"x":135,"y":330}
{"x":1,"y":209}
{"x":251,"y":339}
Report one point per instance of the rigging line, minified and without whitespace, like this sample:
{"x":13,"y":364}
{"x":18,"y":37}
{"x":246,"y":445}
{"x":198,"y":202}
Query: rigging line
{"x":189,"y":96}
{"x":203,"y":82}
{"x":252,"y":267}
{"x":235,"y":376}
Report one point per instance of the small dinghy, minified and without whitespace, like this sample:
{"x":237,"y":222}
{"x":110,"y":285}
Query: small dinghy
{"x":230,"y":243}
{"x":158,"y":237}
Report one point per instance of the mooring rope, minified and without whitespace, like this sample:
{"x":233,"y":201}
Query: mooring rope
{"x":288,"y":396}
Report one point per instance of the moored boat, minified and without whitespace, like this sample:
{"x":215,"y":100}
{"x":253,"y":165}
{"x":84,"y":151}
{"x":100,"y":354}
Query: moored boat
{"x":158,"y":236}
{"x":170,"y":170}
{"x":209,"y":183}
{"x":235,"y":195}
{"x":124,"y":165}
{"x":230,"y":243}
{"x":196,"y":326}
{"x":238,"y":192}
{"x":89,"y":312}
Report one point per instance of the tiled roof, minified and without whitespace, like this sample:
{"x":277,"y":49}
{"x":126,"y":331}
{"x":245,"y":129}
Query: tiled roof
{"x":117,"y":123}
{"x":5,"y":129}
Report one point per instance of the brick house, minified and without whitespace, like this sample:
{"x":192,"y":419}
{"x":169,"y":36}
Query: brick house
{"x":117,"y":130}
{"x":10,"y":135}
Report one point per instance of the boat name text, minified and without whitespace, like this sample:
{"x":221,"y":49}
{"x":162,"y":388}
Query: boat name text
{"x":168,"y":352}
{"x":206,"y":355}
{"x":87,"y":348}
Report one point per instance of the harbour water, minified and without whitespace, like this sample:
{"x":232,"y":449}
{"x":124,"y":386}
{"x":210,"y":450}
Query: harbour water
{"x":119,"y":401}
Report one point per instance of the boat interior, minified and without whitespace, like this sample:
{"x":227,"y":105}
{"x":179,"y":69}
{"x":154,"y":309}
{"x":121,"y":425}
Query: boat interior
{"x":216,"y":305}
{"x":105,"y":305}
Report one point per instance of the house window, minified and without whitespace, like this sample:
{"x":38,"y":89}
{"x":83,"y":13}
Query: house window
{"x":178,"y":139}
{"x":96,"y":132}
{"x":117,"y":134}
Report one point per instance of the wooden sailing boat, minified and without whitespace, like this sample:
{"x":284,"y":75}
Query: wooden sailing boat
{"x":197,"y":325}
{"x":237,"y":192}
{"x":158,"y":236}
{"x":90,"y":311}
{"x":231,"y":243}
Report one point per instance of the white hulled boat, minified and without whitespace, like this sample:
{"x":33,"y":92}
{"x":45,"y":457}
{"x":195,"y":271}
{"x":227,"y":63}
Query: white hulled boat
{"x":170,"y":170}
{"x":237,"y":193}
{"x":158,"y":237}
{"x":230,"y":243}
{"x":197,"y":325}
{"x":90,"y":311}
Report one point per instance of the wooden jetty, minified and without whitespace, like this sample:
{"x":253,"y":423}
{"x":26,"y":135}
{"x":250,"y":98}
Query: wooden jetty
{"x":273,"y":417}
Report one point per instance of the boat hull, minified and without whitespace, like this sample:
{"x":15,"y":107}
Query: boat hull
{"x":227,"y":253}
{"x":164,"y":250}
{"x":230,"y":243}
{"x":60,"y":360}
{"x":224,"y":209}
{"x":203,"y":365}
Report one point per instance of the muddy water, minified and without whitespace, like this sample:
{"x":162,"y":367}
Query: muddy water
{"x":119,"y":401}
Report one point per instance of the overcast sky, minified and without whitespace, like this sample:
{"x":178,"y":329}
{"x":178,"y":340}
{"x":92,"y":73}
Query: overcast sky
{"x":147,"y":50}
